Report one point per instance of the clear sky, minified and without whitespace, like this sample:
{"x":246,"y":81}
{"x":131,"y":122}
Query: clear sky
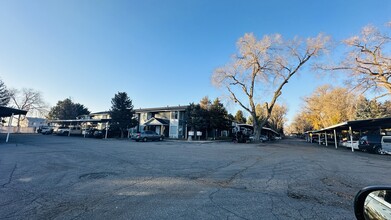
{"x":161,"y":52}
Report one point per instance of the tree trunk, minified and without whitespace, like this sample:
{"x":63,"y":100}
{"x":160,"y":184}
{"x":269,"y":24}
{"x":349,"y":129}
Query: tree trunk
{"x":122,"y":133}
{"x":18,"y":125}
{"x":257,"y":125}
{"x":257,"y":131}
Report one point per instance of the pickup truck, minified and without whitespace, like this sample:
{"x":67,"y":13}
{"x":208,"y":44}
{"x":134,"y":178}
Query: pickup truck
{"x":64,"y":130}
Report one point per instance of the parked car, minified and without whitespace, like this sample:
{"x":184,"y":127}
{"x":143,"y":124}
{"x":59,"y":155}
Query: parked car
{"x":373,"y":143}
{"x":88,"y":132}
{"x":262,"y":138}
{"x":147,"y":136}
{"x":65,"y":130}
{"x":111,"y":133}
{"x":61,"y":130}
{"x":278,"y":137}
{"x":45,"y":130}
{"x":348,"y":144}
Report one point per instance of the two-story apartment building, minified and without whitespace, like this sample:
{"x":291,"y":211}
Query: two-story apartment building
{"x":168,"y":121}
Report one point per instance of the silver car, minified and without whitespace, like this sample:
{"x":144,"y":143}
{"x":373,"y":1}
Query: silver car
{"x":147,"y":136}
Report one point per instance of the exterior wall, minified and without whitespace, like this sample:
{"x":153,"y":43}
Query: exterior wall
{"x":176,"y":127}
{"x":182,"y":125}
{"x":101,"y":116}
{"x":163,"y":115}
{"x":174,"y":123}
{"x":26,"y":122}
{"x":143,"y":117}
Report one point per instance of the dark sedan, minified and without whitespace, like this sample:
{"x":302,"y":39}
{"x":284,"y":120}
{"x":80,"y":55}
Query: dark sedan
{"x":147,"y":136}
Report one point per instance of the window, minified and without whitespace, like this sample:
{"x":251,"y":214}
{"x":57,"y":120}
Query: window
{"x":386,"y":140}
{"x":174,"y":115}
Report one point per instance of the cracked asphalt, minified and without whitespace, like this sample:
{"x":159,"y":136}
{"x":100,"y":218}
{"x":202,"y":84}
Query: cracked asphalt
{"x":54,"y":177}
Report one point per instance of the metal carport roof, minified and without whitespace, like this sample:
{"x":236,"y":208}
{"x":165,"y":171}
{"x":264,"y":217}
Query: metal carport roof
{"x":10,"y":112}
{"x":367,"y":124}
{"x":7,"y":112}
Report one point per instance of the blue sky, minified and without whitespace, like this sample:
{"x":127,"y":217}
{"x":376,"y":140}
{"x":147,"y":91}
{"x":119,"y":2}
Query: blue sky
{"x":161,"y":52}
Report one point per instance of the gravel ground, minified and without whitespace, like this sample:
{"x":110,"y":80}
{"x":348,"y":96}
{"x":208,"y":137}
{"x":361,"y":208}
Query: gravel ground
{"x":55,"y":177}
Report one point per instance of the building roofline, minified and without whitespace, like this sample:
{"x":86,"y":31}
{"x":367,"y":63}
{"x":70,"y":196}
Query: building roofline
{"x":162,"y":109}
{"x":100,"y":113}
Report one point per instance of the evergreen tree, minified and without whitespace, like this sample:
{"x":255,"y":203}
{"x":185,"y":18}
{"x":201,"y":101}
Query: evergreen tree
{"x":239,"y":117}
{"x":122,"y":112}
{"x":366,"y":109}
{"x":218,"y":116}
{"x":4,"y":94}
{"x":66,"y":109}
{"x":195,"y":117}
{"x":205,"y":105}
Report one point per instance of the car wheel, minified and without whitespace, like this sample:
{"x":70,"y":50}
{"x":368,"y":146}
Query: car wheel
{"x":377,"y":150}
{"x":161,"y":138}
{"x":145,"y":139}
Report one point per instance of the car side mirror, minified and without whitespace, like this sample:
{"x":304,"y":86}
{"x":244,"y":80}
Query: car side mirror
{"x":373,"y":202}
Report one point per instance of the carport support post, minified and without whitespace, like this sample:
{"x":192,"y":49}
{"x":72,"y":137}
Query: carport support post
{"x":311,"y":138}
{"x":325,"y":138}
{"x":351,"y":138}
{"x":335,"y":139}
{"x":85,"y":130}
{"x":9,"y":127}
{"x":107,"y":128}
{"x":319,"y":137}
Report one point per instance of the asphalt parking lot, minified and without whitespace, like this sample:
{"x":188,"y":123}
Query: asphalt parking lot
{"x":54,"y":177}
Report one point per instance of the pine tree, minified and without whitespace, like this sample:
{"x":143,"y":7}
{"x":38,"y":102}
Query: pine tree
{"x":67,"y":109}
{"x":122,"y":112}
{"x":239,"y":118}
{"x":366,"y":109}
{"x":195,"y":117}
{"x":218,"y":116}
{"x":4,"y":94}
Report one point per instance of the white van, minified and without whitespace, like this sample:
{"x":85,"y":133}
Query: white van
{"x":386,"y":144}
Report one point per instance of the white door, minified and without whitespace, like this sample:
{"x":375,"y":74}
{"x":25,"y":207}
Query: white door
{"x":157,"y":129}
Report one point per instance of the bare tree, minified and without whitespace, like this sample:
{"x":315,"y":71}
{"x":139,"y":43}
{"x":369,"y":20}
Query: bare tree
{"x":368,"y":61}
{"x":300,"y":124}
{"x":29,"y":100}
{"x":265,"y":65}
{"x":278,"y":118}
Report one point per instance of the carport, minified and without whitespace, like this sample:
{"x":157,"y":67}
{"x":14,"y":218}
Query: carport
{"x":375,"y":124}
{"x":10,"y":112}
